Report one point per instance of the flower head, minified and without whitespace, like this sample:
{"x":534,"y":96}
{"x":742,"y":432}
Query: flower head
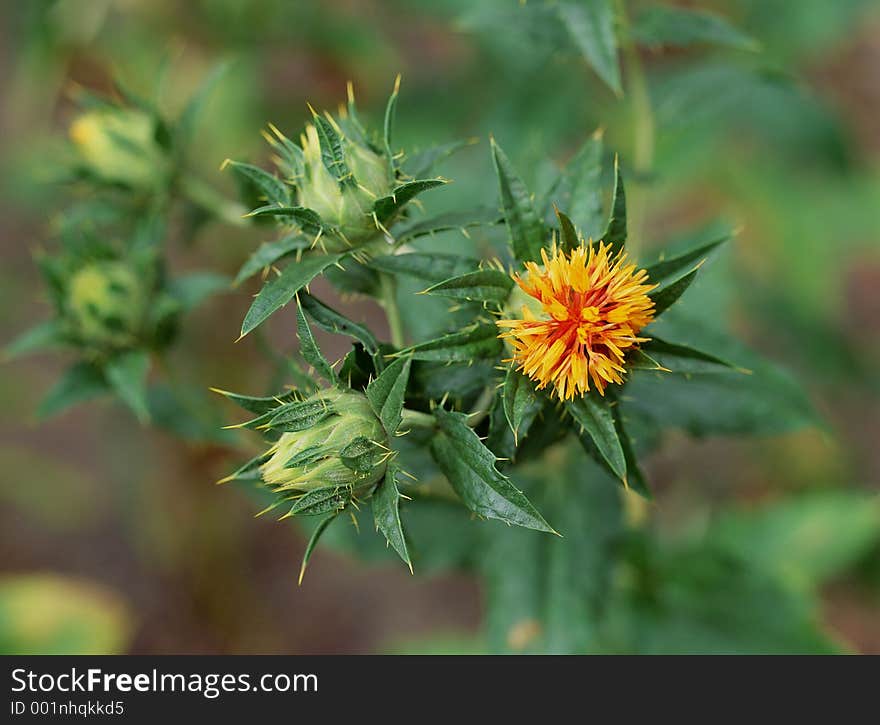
{"x":346,"y":447}
{"x":580,"y":313}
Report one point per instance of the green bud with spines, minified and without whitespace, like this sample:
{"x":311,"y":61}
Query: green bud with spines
{"x":119,"y":146}
{"x":106,"y":305}
{"x":345,"y":447}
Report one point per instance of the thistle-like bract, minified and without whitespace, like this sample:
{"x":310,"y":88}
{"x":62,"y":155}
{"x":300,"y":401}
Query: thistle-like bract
{"x":346,"y":447}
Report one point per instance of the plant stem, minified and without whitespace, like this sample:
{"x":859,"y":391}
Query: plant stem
{"x":209,"y":199}
{"x":481,"y":407}
{"x":392,"y":311}
{"x":417,"y":419}
{"x":642,"y":118}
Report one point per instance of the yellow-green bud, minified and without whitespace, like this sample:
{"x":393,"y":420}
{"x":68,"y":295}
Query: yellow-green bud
{"x":120,"y":145}
{"x":106,"y":304}
{"x":348,"y":447}
{"x":349,"y":206}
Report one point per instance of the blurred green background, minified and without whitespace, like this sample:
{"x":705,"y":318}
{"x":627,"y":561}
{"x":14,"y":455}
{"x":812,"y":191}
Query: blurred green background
{"x":114,"y":538}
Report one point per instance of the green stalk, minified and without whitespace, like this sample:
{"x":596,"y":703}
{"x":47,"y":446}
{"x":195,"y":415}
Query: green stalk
{"x":392,"y":311}
{"x":206,"y":197}
{"x":417,"y":419}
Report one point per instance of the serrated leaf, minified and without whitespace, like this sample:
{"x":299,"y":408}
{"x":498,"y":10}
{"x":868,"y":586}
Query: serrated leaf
{"x":667,"y":267}
{"x":258,"y":405}
{"x":428,"y":267}
{"x":470,"y":469}
{"x":615,"y":231}
{"x":683,"y":358}
{"x":521,"y":403}
{"x":127,"y":375}
{"x":590,"y":24}
{"x":387,"y":392}
{"x":659,"y":25}
{"x":480,"y":340}
{"x":80,"y":382}
{"x":484,"y":285}
{"x":269,"y":186}
{"x":579,"y":189}
{"x":332,"y":321}
{"x":523,"y":223}
{"x":332,"y":154}
{"x":309,"y":349}
{"x":665,"y":297}
{"x":279,"y":291}
{"x":39,"y":337}
{"x":321,"y":501}
{"x":294,"y":417}
{"x":593,"y":416}
{"x":568,"y":237}
{"x":270,"y":252}
{"x":192,"y":289}
{"x":386,"y":207}
{"x":306,"y":219}
{"x":448,"y":221}
{"x":313,"y":542}
{"x":386,"y":513}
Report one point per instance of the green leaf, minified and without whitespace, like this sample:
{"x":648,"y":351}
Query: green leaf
{"x":258,"y":405}
{"x":683,"y":358}
{"x":332,"y":321}
{"x":526,"y":229}
{"x":667,"y":267}
{"x":666,"y":296}
{"x":591,"y":26}
{"x":594,"y":417}
{"x":521,"y":402}
{"x":484,"y":285}
{"x":448,"y":221}
{"x":332,"y":154}
{"x":127,"y":375}
{"x":388,"y":125}
{"x":313,"y":542}
{"x":80,"y":382}
{"x":578,"y":190}
{"x":386,"y":513}
{"x":659,"y":25}
{"x":279,"y":291}
{"x":547,"y":594}
{"x":431,"y":268}
{"x":568,"y":238}
{"x":309,"y":349}
{"x":44,"y":335}
{"x":269,"y":186}
{"x":470,"y":468}
{"x":362,"y":455}
{"x":186,"y":123}
{"x":294,"y":417}
{"x":421,"y":163}
{"x":321,"y":501}
{"x":387,"y":392}
{"x":810,"y":539}
{"x":615,"y":231}
{"x":248,"y":471}
{"x":388,"y":206}
{"x":192,"y":289}
{"x":480,"y":340}
{"x":306,"y":219}
{"x":270,"y":252}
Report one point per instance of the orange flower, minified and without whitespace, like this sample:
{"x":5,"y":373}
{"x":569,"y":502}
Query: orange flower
{"x":580,"y":314}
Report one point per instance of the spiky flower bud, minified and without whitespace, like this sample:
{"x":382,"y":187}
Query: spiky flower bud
{"x":106,"y":304}
{"x":346,"y":204}
{"x":347,"y":446}
{"x":119,"y":145}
